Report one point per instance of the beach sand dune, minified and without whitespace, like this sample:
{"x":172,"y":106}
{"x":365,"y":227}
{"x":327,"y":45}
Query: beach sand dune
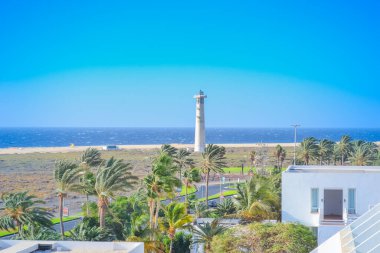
{"x":28,"y":150}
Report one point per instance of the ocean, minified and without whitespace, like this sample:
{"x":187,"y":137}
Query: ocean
{"x":61,"y":137}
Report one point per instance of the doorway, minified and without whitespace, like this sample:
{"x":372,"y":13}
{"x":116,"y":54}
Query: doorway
{"x":333,"y":205}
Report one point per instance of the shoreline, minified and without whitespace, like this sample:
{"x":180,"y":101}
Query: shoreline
{"x":68,"y":149}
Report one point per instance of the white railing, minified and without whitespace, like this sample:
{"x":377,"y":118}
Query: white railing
{"x":320,"y":215}
{"x":345,"y":216}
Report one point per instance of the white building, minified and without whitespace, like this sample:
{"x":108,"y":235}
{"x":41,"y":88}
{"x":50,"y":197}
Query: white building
{"x":21,"y":246}
{"x":327,"y":198}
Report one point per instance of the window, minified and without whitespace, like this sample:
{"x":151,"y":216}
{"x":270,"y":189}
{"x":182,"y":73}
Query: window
{"x":314,"y":200}
{"x":351,"y":201}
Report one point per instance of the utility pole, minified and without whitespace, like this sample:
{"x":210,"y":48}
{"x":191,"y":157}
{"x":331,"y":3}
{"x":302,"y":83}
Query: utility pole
{"x":295,"y":142}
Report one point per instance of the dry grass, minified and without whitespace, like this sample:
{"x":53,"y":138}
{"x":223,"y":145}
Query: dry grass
{"x":33,"y":172}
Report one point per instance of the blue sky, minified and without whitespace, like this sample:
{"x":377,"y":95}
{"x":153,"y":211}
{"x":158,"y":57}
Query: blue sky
{"x":138,"y":63}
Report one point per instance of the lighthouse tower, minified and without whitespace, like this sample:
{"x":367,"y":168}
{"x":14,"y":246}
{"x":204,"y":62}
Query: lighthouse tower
{"x":199,"y":141}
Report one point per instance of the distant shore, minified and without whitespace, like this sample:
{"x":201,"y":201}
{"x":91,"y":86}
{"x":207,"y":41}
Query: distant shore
{"x":68,"y":149}
{"x":28,"y":150}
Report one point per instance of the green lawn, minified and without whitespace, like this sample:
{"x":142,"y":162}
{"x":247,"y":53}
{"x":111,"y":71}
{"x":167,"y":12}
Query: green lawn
{"x":69,"y":218}
{"x":5,"y":232}
{"x":190,"y":190}
{"x":215,"y":196}
{"x":53,"y":220}
{"x":236,"y":170}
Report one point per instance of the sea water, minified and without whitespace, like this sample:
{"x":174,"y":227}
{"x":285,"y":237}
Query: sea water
{"x":60,"y":137}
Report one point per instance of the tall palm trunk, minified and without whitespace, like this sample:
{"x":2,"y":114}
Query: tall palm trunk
{"x":156,"y":215}
{"x":171,"y":245}
{"x":186,"y":204}
{"x":60,"y":196}
{"x":342,"y":160}
{"x":87,"y":202}
{"x":102,"y":205}
{"x":207,"y":178}
{"x":208,"y":247}
{"x":171,"y":237}
{"x":151,"y":212}
{"x":19,"y":227}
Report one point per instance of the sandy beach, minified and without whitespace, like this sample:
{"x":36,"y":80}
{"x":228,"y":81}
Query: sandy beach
{"x":28,"y":150}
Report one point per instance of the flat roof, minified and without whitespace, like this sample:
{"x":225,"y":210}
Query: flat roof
{"x":30,"y":246}
{"x":331,"y":169}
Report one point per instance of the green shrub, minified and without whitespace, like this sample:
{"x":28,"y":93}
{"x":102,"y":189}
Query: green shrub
{"x":181,"y":243}
{"x":266,"y":238}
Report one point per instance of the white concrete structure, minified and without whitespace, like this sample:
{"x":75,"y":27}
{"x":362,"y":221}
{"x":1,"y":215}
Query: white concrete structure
{"x":327,"y":198}
{"x":361,"y":236}
{"x":21,"y":246}
{"x":200,"y":134}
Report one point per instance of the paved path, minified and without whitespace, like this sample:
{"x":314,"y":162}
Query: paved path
{"x":68,"y":225}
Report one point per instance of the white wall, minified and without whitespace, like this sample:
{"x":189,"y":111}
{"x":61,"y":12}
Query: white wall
{"x":332,"y":245}
{"x":325,"y":232}
{"x":296,"y":196}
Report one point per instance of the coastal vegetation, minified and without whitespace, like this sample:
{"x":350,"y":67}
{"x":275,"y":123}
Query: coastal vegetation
{"x":66,"y":174}
{"x":344,"y":152}
{"x":161,"y":207}
{"x":270,"y":238}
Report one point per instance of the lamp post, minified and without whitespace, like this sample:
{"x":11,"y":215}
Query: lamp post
{"x":295,"y":142}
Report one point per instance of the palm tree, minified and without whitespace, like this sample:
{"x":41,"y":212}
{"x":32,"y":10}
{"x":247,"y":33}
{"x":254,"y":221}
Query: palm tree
{"x":176,"y":217}
{"x":89,"y":159}
{"x":169,"y":150}
{"x":190,"y":176}
{"x":38,"y":233}
{"x":257,"y":197}
{"x":66,"y":176}
{"x":344,"y":148}
{"x":165,"y":168}
{"x":160,"y":181}
{"x":114,"y":176}
{"x":325,"y":150}
{"x":363,"y":153}
{"x":226,"y":207}
{"x":252,"y":158}
{"x":205,"y":233}
{"x":20,"y":209}
{"x":85,"y":232}
{"x":213,"y":159}
{"x":87,"y":187}
{"x":336,"y":154}
{"x":277,"y":152}
{"x":200,"y":210}
{"x":308,"y":149}
{"x":183,"y":161}
{"x":282,"y":157}
{"x":152,"y":184}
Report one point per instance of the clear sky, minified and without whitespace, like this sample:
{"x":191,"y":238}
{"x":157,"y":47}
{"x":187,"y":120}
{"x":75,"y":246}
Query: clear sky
{"x":138,"y":63}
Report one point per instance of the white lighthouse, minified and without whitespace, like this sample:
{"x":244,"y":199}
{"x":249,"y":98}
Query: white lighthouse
{"x":200,"y":142}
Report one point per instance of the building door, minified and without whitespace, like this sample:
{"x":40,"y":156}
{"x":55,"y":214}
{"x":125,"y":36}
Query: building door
{"x":333,"y":205}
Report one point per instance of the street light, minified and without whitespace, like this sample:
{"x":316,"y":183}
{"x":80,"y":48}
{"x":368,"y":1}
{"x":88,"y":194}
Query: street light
{"x":295,"y":142}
